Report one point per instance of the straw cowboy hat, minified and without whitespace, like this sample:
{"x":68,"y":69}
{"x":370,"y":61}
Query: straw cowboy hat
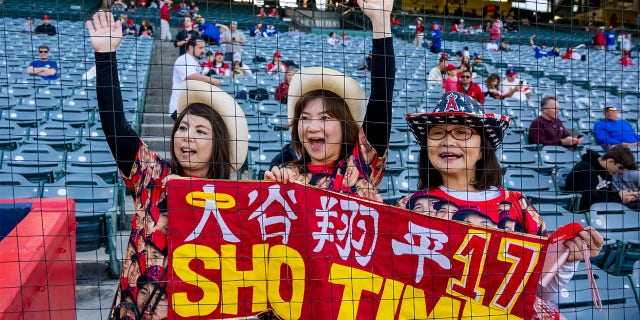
{"x":459,"y":108}
{"x":193,"y":91}
{"x":316,"y":78}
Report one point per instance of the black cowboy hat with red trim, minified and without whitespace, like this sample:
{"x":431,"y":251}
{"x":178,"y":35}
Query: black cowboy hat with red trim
{"x":457,"y":108}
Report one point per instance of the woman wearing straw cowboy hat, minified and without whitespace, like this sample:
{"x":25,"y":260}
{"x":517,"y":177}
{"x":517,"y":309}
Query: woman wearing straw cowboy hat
{"x":341,"y":138}
{"x":458,"y":163}
{"x":208,"y":140}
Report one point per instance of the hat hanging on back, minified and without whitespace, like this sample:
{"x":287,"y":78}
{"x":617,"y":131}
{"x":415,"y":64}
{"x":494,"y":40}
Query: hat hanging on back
{"x":456,"y":108}
{"x":511,"y":72}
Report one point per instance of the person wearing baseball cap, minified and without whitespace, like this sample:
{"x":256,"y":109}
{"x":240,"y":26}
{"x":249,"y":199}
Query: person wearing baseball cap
{"x":234,"y":40}
{"x":341,"y":135}
{"x":458,"y":164}
{"x":276,"y":66}
{"x":46,"y":27}
{"x":439,"y":72}
{"x":612,"y":131}
{"x":209,"y":138}
{"x":450,"y":83}
{"x":435,"y":45}
{"x":419,"y":33}
{"x":215,"y":65}
{"x":515,"y":87}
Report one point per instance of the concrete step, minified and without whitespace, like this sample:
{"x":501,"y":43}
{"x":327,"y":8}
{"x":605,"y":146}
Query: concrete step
{"x":160,"y":117}
{"x":156,"y":130}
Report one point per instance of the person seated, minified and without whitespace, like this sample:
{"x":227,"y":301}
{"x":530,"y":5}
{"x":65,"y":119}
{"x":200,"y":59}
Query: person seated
{"x":572,"y":52}
{"x":548,"y":130}
{"x":28,"y":26}
{"x":273,"y":12}
{"x":129,"y":29}
{"x":46,"y":27}
{"x":345,"y":42}
{"x":592,"y":177}
{"x":45,"y":68}
{"x":626,"y":60}
{"x":240,"y":70}
{"x":270,"y":31}
{"x":450,"y":83}
{"x":118,"y":5}
{"x":492,"y":46}
{"x":333,"y":40}
{"x":282,"y":91}
{"x":146,"y":29}
{"x":466,"y":86}
{"x":612,"y":131}
{"x":256,"y":31}
{"x":540,"y":51}
{"x":209,"y":32}
{"x":215,"y":65}
{"x":261,"y":13}
{"x":276,"y":65}
{"x":394,"y":21}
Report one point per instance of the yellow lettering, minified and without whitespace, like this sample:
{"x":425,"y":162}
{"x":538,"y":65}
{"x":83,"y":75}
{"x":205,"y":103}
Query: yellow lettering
{"x":279,"y":255}
{"x":182,"y":255}
{"x":354,"y":281}
{"x":390,"y":299}
{"x":198,"y":199}
{"x":232,"y":279}
{"x":413,"y":304}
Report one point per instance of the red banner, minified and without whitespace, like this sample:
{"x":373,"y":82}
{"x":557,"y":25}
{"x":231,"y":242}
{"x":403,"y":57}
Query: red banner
{"x":238,"y":248}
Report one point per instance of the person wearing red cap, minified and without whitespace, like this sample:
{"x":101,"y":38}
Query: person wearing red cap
{"x":345,"y":42}
{"x":276,"y":65}
{"x":215,"y":65}
{"x":450,"y":83}
{"x":513,"y":84}
{"x":46,"y":27}
{"x":129,"y":28}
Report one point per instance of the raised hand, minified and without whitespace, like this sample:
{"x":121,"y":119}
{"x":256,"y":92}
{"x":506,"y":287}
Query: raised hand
{"x":105,"y":33}
{"x":379,"y":11}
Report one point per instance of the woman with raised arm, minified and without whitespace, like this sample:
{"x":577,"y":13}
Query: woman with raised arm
{"x":208,"y":140}
{"x":341,"y":138}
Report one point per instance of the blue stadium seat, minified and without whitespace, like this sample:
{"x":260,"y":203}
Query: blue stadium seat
{"x":560,"y":156}
{"x":15,"y":186}
{"x":37,"y":162}
{"x":615,"y":221}
{"x":62,"y":137}
{"x":11,"y":135}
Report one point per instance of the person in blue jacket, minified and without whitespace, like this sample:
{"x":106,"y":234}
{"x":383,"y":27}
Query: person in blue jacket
{"x":610,"y":37}
{"x":436,"y":38}
{"x":612,"y":131}
{"x":209,"y":32}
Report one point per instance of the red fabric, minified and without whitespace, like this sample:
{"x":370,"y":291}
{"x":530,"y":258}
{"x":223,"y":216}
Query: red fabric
{"x":474,"y":91}
{"x":454,"y":28}
{"x":626,"y":61}
{"x":568,"y":54}
{"x":305,"y":252}
{"x":494,"y":33}
{"x":395,"y":22}
{"x":282,"y":91}
{"x":420,"y":28}
{"x":164,"y":13}
{"x":599,"y":39}
{"x":449,"y":85}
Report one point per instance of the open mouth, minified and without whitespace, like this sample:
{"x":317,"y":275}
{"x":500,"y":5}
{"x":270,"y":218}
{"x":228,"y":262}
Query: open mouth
{"x":316,"y":143}
{"x":450,"y":155}
{"x":187,"y":152}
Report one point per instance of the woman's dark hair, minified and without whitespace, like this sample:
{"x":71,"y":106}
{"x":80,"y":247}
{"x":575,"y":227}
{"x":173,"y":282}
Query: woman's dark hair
{"x":219,"y":165}
{"x":490,"y":79}
{"x":488,"y":172}
{"x":518,"y":227}
{"x":337,"y":108}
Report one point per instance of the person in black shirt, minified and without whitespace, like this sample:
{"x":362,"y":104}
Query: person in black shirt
{"x":184,"y":35}
{"x":46,"y":27}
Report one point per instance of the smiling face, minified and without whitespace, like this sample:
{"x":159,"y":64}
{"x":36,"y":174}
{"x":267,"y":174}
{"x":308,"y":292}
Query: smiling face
{"x":193,"y":144}
{"x":320,"y":133}
{"x":450,"y":156}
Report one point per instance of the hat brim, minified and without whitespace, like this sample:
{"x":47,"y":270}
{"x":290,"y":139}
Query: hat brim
{"x":193,"y":91}
{"x":493,"y":126}
{"x":316,"y":78}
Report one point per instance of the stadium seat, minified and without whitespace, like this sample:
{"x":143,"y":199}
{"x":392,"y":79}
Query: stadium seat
{"x":560,"y":156}
{"x":521,"y":158}
{"x":537,"y":187}
{"x":62,"y":137}
{"x":15,"y":186}
{"x":615,"y":221}
{"x":37,"y":162}
{"x":11,"y":135}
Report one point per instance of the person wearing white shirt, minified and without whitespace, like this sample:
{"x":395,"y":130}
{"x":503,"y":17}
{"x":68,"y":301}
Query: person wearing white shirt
{"x":333,"y":39}
{"x":438,"y":73}
{"x":492,"y":46}
{"x":187,"y":67}
{"x":522,"y":91}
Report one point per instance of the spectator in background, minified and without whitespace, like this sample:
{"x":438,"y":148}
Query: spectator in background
{"x":186,"y":67}
{"x":625,"y":61}
{"x":145,"y":28}
{"x":476,"y":28}
{"x":261,"y":13}
{"x":365,"y":63}
{"x":599,"y":40}
{"x":548,"y":130}
{"x":273,"y":12}
{"x":592,"y":177}
{"x":477,"y":59}
{"x":439,"y":72}
{"x":492,"y":46}
{"x":28,"y":26}
{"x":333,"y":40}
{"x":276,"y":66}
{"x":209,"y":32}
{"x":345,"y":42}
{"x":240,"y":70}
{"x":572,"y":52}
{"x":495,"y":34}
{"x":132,"y":6}
{"x":419,"y":33}
{"x":625,"y":43}
{"x":436,"y":38}
{"x":450,"y":83}
{"x":153,"y":4}
{"x":45,"y":68}
{"x":465,"y":64}
{"x":129,"y":28}
{"x":610,"y":38}
{"x":183,"y":10}
{"x":394,"y":21}
{"x":504,"y":46}
{"x":256,"y":30}
{"x":466,"y":86}
{"x":454,"y":27}
{"x":118,"y":5}
{"x":612,"y":131}
{"x":491,"y":88}
{"x":234,"y":40}
{"x":165,"y":18}
{"x":215,"y":65}
{"x":46,"y":27}
{"x":518,"y":89}
{"x":282,"y":90}
{"x":270,"y":31}
{"x":185,"y":34}
{"x":540,"y":51}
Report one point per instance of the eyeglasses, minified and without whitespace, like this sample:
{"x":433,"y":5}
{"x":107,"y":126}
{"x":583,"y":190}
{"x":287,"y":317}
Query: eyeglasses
{"x":462,"y":133}
{"x":44,"y":51}
{"x":465,"y":77}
